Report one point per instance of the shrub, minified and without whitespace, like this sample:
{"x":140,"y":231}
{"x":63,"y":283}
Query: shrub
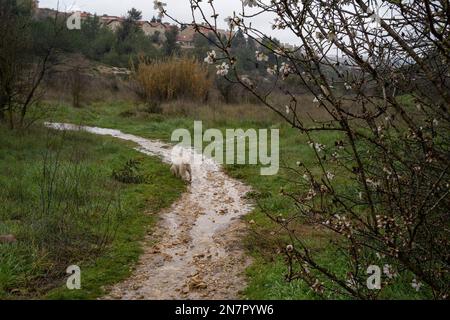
{"x":172,"y":78}
{"x":130,"y":173}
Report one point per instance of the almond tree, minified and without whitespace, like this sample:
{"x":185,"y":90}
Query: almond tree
{"x":379,"y":70}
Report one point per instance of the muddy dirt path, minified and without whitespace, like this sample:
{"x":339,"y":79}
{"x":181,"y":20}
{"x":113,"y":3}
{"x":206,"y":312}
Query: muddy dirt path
{"x":198,"y":252}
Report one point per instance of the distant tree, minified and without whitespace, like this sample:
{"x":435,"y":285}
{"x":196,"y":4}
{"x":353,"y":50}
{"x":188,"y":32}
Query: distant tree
{"x":155,"y":38}
{"x":102,"y":44}
{"x":170,"y":46}
{"x":130,"y":25}
{"x":91,"y":27}
{"x":134,"y":14}
{"x":23,"y":62}
{"x":239,"y":40}
{"x":201,"y":46}
{"x":241,"y":50}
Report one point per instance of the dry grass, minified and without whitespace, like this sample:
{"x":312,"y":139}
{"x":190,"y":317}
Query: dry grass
{"x":217,"y":111}
{"x":173,"y":78}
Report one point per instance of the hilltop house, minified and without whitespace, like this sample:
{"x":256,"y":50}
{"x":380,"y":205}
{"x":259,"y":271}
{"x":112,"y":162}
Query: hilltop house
{"x":149,"y":28}
{"x":186,"y":36}
{"x":112,"y":22}
{"x":35,"y":5}
{"x":156,"y":28}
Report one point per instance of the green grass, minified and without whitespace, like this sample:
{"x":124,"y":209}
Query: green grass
{"x":84,"y":216}
{"x":266,"y":277}
{"x":116,"y":116}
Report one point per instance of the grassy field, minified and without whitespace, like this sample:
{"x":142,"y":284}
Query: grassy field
{"x":266,"y":240}
{"x":60,"y":201}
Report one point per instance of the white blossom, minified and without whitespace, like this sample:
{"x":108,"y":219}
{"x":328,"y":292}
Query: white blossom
{"x":325,"y":90}
{"x":261,"y":56}
{"x":272,"y":70}
{"x":285,"y":70}
{"x":416,"y":284}
{"x":387,"y":270}
{"x":278,"y":24}
{"x":317,"y":146}
{"x":311,"y":194}
{"x":318,"y":98}
{"x":351,"y":282}
{"x":287,"y":109}
{"x":159,"y":6}
{"x":222,"y":69}
{"x":233,"y":22}
{"x":210,"y":57}
{"x":372,"y":183}
{"x":387,"y":171}
{"x":330,"y":176}
{"x":380,"y":256}
{"x":279,"y":52}
{"x":317,"y":286}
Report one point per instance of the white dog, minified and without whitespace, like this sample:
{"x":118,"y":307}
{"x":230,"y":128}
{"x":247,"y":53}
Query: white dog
{"x":182,"y":170}
{"x":181,"y":166}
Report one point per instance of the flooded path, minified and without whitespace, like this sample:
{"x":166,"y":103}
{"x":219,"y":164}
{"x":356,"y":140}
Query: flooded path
{"x":195,"y":252}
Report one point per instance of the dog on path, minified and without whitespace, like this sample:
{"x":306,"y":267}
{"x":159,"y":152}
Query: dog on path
{"x":181,"y":163}
{"x":182,"y":170}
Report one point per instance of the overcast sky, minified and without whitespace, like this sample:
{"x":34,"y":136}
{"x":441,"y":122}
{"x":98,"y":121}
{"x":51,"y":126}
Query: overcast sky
{"x":179,"y":9}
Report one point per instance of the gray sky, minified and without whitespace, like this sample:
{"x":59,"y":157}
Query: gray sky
{"x":180,"y":9}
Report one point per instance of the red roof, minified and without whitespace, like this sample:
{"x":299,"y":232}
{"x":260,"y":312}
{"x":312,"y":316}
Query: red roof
{"x":85,"y":14}
{"x":111,"y":18}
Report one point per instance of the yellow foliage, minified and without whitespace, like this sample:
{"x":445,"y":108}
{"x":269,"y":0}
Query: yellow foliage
{"x":173,"y":78}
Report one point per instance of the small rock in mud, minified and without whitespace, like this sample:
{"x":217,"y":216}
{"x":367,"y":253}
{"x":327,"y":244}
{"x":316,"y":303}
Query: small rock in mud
{"x":8,"y":238}
{"x":197,"y":286}
{"x":197,"y":283}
